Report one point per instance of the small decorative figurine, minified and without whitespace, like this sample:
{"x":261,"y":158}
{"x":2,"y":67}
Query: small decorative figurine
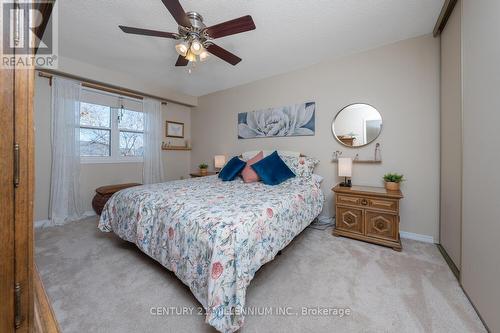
{"x":378,"y":155}
{"x":336,"y":155}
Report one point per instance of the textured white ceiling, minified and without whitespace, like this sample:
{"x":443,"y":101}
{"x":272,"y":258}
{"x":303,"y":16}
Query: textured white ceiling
{"x":290,"y":34}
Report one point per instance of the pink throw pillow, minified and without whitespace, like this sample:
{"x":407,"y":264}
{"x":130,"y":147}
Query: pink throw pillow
{"x":250,"y":176}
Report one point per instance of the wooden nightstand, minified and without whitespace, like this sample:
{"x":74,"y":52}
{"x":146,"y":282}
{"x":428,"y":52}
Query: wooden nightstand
{"x":198,"y":174}
{"x":369,"y":214}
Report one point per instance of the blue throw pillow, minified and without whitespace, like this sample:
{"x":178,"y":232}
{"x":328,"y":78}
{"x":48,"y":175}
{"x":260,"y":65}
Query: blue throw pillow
{"x":272,"y":170}
{"x":232,"y":169}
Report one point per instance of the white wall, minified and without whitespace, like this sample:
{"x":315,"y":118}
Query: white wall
{"x":43,"y":152}
{"x":401,"y":80}
{"x":94,"y":175}
{"x":177,"y":163}
{"x":481,"y":141}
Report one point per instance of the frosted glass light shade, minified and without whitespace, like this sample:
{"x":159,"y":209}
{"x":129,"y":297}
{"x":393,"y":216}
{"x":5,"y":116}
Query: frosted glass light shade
{"x":191,"y":56}
{"x":203,"y":55}
{"x":196,"y":47}
{"x":345,"y":167}
{"x":182,"y":49}
{"x":219,"y":161}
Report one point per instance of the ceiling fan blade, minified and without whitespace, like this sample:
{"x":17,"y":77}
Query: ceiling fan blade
{"x":181,"y":61}
{"x":223,"y":54}
{"x":146,"y":32}
{"x":176,"y":10}
{"x":236,"y":26}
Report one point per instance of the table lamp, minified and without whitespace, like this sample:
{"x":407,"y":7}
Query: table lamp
{"x":345,"y":170}
{"x":219,"y":162}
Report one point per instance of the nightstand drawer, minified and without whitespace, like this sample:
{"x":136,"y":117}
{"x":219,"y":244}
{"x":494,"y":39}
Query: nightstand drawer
{"x":385,"y":204}
{"x":348,"y":200}
{"x":350,"y":219}
{"x":381,"y":225}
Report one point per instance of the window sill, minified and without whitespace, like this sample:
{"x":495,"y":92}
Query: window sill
{"x":97,"y":160}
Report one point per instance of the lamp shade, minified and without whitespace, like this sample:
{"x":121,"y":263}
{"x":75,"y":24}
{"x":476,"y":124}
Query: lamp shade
{"x":345,"y":167}
{"x":219,"y":161}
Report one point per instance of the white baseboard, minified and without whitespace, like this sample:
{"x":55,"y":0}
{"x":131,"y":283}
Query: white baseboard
{"x":417,"y":237}
{"x":42,"y":223}
{"x":48,"y":223}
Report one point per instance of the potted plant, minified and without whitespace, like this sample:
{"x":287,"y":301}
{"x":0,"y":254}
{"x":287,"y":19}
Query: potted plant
{"x":203,"y":168}
{"x":392,"y":181}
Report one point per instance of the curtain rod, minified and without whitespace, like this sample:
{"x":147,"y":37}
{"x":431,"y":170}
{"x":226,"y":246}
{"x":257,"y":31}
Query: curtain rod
{"x":49,"y":74}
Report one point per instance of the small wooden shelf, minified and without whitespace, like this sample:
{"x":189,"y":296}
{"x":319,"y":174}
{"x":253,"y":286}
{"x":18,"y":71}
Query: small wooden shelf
{"x":362,"y":161}
{"x":367,"y":161}
{"x":177,"y":148}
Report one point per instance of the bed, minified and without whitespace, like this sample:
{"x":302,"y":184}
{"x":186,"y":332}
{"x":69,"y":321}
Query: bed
{"x":214,"y":235}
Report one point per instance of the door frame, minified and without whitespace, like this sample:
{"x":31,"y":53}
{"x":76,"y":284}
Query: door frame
{"x":7,"y":253}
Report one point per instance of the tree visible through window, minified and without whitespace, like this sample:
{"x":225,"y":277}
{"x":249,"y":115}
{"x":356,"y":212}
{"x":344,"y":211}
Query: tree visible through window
{"x":95,"y":130}
{"x":131,"y":126}
{"x":111,"y":133}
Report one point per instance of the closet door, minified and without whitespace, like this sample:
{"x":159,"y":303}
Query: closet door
{"x":451,"y":138}
{"x":23,"y":197}
{"x":480,"y":273}
{"x":16,"y":198}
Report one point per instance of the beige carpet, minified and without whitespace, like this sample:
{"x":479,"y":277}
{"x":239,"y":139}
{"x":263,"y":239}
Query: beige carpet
{"x":98,"y":283}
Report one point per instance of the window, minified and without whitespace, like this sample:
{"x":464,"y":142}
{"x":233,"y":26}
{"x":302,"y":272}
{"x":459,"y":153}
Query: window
{"x":131,"y":126}
{"x":95,"y":130}
{"x":109,"y":134}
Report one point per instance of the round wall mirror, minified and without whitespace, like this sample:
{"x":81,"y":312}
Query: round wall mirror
{"x":357,"y":125}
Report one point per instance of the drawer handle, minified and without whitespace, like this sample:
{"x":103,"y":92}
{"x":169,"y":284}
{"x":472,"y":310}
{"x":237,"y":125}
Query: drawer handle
{"x":364,"y":202}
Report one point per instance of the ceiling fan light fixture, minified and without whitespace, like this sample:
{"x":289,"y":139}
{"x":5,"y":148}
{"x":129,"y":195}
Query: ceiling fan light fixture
{"x":196,"y":47}
{"x":203,"y":55}
{"x":191,"y":56}
{"x":182,"y":49}
{"x":194,"y":37}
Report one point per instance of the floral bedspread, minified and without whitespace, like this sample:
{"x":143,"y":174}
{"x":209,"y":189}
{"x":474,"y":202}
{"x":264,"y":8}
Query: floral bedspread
{"x":214,"y":235}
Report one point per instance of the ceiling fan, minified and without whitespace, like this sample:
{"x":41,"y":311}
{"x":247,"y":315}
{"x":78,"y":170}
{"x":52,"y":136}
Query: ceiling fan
{"x":196,"y":38}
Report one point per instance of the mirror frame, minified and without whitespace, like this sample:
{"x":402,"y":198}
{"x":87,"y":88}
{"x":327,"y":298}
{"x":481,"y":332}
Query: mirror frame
{"x":366,"y":144}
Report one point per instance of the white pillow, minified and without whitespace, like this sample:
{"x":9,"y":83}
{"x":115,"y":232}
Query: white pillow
{"x":249,"y":154}
{"x":288,"y":153}
{"x":301,"y":166}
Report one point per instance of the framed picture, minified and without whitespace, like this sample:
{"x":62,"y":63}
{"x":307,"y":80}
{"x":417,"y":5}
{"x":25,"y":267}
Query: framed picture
{"x":293,"y":120}
{"x":174,"y":129}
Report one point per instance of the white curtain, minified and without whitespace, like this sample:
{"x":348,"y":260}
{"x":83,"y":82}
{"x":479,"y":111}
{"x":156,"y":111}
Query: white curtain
{"x":65,"y":174}
{"x":153,"y":162}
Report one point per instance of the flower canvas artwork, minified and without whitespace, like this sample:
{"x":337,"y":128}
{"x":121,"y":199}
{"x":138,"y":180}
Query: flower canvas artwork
{"x":295,"y":120}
